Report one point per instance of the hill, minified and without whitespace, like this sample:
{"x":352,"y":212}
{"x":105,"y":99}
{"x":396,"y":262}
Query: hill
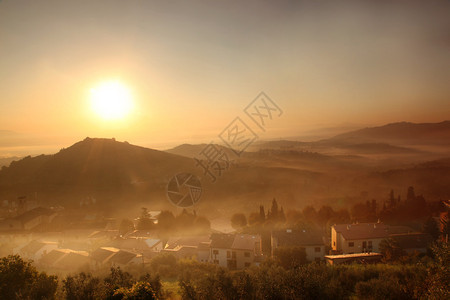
{"x":121,"y":174}
{"x":5,"y":161}
{"x":93,"y":167}
{"x":404,"y":142}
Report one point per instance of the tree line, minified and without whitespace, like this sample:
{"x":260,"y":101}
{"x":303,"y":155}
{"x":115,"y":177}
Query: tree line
{"x":19,"y":279}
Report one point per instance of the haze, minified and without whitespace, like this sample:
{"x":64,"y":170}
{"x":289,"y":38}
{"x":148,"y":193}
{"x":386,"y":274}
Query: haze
{"x":193,"y":66}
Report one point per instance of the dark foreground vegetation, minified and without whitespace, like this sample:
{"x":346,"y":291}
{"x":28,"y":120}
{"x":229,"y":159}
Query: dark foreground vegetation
{"x":426,"y":278}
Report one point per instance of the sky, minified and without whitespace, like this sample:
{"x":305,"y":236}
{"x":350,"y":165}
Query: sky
{"x":191,"y":67}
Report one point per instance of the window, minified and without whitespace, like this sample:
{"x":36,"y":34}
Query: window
{"x":370,"y":244}
{"x":317,"y":249}
{"x":247,"y":254}
{"x":228,"y":254}
{"x":215,"y":252}
{"x":233,"y":255}
{"x":247,"y":264}
{"x":334,"y":243}
{"x":351,"y":244}
{"x":364,"y":245}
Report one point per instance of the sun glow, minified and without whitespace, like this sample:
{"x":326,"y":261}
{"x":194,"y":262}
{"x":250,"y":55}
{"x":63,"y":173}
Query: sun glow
{"x":111,"y":100}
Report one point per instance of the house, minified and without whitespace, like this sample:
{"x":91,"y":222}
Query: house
{"x":235,"y":251}
{"x":137,"y":244}
{"x":73,"y":260}
{"x":150,"y":233}
{"x":110,"y":256}
{"x":310,"y":240}
{"x":188,"y":247}
{"x":124,"y":258}
{"x":36,"y":249}
{"x":361,"y":258}
{"x":204,"y":252}
{"x":101,"y":255}
{"x":28,"y":220}
{"x":181,"y":251}
{"x":53,"y":256}
{"x":66,"y":259}
{"x":357,"y":238}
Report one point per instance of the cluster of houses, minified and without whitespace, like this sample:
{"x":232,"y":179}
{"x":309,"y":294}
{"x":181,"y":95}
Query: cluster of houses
{"x":78,"y":248}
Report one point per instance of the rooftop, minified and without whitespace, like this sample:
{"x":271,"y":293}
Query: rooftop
{"x":186,"y":241}
{"x":362,"y":231}
{"x":35,"y":245}
{"x":123,"y":257}
{"x":297,"y":237}
{"x":103,"y":253}
{"x":34,"y":213}
{"x":231,"y":241}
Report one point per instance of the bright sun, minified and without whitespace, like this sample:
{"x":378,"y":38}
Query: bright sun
{"x":111,"y":100}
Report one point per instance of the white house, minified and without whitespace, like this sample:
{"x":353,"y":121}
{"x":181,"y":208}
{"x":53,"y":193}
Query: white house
{"x":358,"y":238}
{"x":235,"y":251}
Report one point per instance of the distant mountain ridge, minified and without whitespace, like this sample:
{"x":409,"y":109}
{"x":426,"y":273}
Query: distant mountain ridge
{"x":295,"y":172}
{"x":394,"y":139}
{"x":437,"y":133}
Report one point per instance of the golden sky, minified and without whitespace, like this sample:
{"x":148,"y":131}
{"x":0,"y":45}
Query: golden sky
{"x":191,"y":67}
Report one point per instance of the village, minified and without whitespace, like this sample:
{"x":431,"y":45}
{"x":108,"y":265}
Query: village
{"x":106,"y":244}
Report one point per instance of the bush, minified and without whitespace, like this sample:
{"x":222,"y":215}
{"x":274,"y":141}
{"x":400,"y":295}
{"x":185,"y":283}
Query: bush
{"x":83,"y":287}
{"x":20,"y":280}
{"x":139,"y":291}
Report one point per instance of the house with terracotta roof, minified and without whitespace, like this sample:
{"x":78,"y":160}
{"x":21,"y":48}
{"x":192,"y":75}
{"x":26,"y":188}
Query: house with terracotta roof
{"x":358,"y":238}
{"x":312,"y":241}
{"x":235,"y":251}
{"x":36,"y":249}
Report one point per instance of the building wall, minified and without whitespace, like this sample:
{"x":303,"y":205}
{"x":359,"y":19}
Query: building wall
{"x":244,"y":258}
{"x":203,"y":256}
{"x":233,"y":258}
{"x":312,"y":254}
{"x":335,"y":239}
{"x":358,"y":245}
{"x":219,"y":257}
